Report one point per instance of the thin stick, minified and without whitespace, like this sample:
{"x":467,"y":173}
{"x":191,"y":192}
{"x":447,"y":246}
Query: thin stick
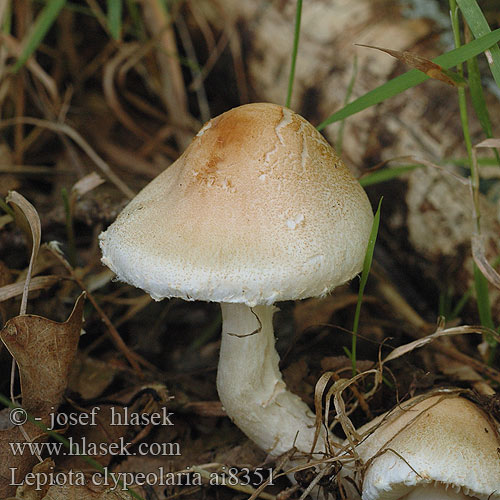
{"x":120,"y":344}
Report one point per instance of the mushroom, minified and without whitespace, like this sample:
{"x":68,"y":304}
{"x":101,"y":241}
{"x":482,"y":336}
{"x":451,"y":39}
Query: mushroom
{"x":258,"y":209}
{"x":442,"y":447}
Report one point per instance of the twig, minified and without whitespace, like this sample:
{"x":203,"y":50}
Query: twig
{"x":120,"y":344}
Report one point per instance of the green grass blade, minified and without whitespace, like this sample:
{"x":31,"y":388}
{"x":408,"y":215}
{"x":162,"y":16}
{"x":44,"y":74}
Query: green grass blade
{"x":479,"y":27}
{"x":43,"y":23}
{"x":412,"y":78}
{"x":6,"y":208}
{"x":367,"y":264}
{"x":137,"y":21}
{"x":298,"y":16}
{"x":478,"y":100}
{"x":386,"y":174}
{"x":7,"y":21}
{"x":477,"y":96}
{"x":114,"y":18}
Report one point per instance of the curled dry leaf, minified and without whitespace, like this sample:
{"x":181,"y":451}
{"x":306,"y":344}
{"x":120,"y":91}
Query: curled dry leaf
{"x":431,"y":69}
{"x":44,"y":351}
{"x":27,"y":218}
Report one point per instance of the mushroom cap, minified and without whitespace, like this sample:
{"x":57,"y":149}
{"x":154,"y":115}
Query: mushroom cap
{"x":444,"y":440}
{"x":258,"y":209}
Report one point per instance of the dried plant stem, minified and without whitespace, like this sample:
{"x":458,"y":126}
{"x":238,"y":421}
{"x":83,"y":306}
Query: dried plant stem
{"x":160,"y":25}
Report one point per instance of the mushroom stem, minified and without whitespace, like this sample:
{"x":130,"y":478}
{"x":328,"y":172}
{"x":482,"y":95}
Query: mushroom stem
{"x":252,"y":389}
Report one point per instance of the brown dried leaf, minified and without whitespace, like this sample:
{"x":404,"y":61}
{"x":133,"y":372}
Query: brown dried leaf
{"x":74,"y":491}
{"x":33,"y":491}
{"x":90,"y":377}
{"x":44,"y":351}
{"x":431,"y":69}
{"x":13,"y":468}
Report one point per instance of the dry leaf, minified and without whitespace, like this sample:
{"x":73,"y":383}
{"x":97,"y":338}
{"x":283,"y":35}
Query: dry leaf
{"x":30,"y":491}
{"x":20,"y":463}
{"x":71,"y":484}
{"x":431,"y":69}
{"x":44,"y":351}
{"x":76,"y":492}
{"x":89,"y":377}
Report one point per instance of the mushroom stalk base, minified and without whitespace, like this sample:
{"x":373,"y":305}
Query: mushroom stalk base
{"x":251,"y":387}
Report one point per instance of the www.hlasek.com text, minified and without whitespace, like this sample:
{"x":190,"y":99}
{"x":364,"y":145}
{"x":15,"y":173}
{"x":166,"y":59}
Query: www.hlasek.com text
{"x":91,"y":449}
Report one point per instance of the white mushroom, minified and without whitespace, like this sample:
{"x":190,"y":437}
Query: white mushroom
{"x":440,"y":448}
{"x":258,"y":209}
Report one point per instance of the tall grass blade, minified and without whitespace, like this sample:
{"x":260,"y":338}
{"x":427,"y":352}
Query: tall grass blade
{"x":41,"y":26}
{"x":479,"y":27}
{"x":386,"y":174}
{"x":367,"y":264}
{"x":114,"y":18}
{"x":412,"y":78}
{"x":298,"y":16}
{"x":478,"y":100}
